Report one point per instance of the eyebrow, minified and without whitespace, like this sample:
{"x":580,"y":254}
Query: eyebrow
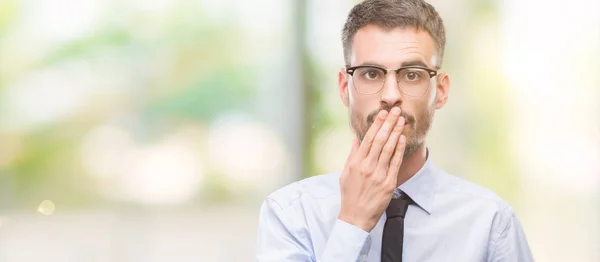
{"x":404,"y":64}
{"x":414,"y":63}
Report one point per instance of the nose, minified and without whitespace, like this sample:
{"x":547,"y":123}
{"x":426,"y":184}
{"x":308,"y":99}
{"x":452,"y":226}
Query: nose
{"x":390,"y":93}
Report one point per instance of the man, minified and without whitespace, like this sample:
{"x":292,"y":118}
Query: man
{"x":390,"y":203}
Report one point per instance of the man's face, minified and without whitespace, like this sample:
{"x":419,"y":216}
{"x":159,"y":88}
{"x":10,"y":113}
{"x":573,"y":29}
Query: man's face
{"x":392,"y":49}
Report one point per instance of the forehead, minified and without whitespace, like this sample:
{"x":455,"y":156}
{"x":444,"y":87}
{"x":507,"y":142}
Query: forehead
{"x":392,"y":47}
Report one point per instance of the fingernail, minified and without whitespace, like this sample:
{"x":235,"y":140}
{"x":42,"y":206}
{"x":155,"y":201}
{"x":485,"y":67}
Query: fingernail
{"x":382,"y":114}
{"x":396,"y":111}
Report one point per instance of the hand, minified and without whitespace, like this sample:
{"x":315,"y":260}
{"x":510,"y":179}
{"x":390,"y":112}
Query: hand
{"x":370,"y":174}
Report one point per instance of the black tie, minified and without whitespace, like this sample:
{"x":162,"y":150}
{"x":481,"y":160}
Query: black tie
{"x":393,"y":231}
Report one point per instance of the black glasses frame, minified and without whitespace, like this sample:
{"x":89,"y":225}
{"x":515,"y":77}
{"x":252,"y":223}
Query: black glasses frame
{"x":351,"y":70}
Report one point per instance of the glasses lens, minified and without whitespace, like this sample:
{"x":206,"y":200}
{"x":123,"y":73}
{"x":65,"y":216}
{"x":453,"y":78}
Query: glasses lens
{"x":413,"y":81}
{"x":368,"y":80}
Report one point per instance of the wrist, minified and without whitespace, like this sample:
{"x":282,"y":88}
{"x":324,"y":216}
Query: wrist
{"x":356,"y":221}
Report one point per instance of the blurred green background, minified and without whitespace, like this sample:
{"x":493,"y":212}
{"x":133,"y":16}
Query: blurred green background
{"x":152,"y":130}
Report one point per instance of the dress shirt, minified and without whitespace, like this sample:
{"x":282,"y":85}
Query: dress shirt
{"x":452,"y":220}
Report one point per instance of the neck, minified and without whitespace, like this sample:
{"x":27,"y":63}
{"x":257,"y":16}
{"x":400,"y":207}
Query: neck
{"x":412,"y":164}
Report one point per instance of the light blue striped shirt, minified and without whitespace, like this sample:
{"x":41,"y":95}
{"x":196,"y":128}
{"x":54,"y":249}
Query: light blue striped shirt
{"x":453,"y":220}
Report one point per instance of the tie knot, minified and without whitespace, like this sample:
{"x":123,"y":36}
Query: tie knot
{"x":398,"y":206}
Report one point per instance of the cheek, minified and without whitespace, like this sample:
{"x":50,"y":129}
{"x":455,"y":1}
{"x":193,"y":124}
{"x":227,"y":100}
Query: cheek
{"x":353,"y":97}
{"x":417,"y":108}
{"x":422,"y":105}
{"x":350,"y":99}
{"x":362,"y":104}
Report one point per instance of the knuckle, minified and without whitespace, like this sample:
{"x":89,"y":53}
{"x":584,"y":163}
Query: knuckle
{"x":390,"y":187}
{"x":378,"y":181}
{"x":380,"y":139}
{"x":388,"y":149}
{"x":365,"y":169}
{"x":367,"y":140}
{"x":387,"y":183}
{"x":352,"y":164}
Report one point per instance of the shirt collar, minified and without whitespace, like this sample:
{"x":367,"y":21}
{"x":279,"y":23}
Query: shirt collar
{"x":420,"y":187}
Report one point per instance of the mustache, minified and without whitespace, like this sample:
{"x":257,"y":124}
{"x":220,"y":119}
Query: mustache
{"x":407,"y":117}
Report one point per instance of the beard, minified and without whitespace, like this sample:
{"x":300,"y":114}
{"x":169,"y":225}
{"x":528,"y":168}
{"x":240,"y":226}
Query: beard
{"x":415,"y":129}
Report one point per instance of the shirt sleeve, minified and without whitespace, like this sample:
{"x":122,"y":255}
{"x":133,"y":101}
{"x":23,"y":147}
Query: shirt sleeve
{"x":511,"y":244}
{"x":282,"y":239}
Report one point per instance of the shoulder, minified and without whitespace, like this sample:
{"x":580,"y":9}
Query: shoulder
{"x":477,"y":202}
{"x":316,"y":187}
{"x":465,"y":190}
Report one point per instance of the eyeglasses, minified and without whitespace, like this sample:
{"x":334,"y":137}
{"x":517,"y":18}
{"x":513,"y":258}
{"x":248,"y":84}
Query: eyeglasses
{"x":412,"y":80}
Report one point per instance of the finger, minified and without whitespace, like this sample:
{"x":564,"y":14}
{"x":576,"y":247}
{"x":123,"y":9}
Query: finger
{"x":383,"y":134}
{"x":390,"y":146}
{"x":396,"y":162}
{"x":367,"y":141}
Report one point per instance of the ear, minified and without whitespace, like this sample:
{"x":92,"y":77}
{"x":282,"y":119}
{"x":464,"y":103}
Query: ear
{"x":443,"y":88}
{"x":343,"y":87}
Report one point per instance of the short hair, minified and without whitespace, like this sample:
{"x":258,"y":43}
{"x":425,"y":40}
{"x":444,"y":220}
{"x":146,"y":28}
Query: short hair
{"x":389,"y":14}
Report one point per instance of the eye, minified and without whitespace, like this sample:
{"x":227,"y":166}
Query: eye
{"x":371,"y":74}
{"x":412,"y":75}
